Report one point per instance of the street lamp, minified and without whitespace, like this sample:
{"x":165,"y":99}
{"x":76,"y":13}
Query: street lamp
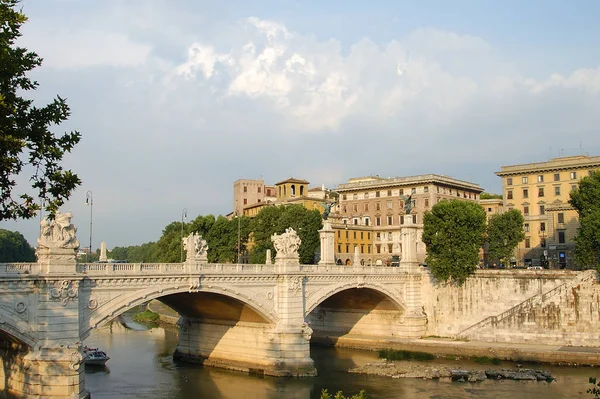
{"x":238,"y":246}
{"x":89,"y":200}
{"x":543,"y":247}
{"x":183,"y":216}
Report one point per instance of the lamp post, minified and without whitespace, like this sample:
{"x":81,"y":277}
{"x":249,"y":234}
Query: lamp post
{"x":543,"y":247}
{"x":183,"y":216}
{"x":89,"y":200}
{"x":238,"y":245}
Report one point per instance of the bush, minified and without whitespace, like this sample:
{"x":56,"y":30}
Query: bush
{"x":339,"y":395}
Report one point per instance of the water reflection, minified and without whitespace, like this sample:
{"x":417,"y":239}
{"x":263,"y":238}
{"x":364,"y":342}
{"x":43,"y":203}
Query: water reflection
{"x":141,"y":366}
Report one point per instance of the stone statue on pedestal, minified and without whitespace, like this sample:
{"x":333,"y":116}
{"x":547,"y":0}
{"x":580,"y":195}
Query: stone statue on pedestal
{"x":286,"y":244}
{"x":58,"y":233}
{"x":195,"y":247}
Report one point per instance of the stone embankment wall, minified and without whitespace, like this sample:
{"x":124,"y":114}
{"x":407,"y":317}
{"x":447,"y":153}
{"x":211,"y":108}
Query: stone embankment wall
{"x":550,"y":307}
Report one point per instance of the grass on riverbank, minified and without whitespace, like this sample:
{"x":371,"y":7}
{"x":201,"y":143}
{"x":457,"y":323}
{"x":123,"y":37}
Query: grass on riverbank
{"x":485,"y":360}
{"x":147,"y":316}
{"x":391,"y":354}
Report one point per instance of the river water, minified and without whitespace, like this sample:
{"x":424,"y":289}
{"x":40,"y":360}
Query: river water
{"x":141,"y":366}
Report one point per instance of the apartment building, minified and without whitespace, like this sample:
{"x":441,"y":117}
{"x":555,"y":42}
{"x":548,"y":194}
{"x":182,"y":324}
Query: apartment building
{"x":541,"y":191}
{"x":250,"y":192}
{"x":376,"y":205}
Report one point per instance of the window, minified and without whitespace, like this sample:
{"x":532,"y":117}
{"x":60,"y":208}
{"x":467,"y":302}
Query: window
{"x":347,"y":249}
{"x":355,"y":196}
{"x":377,"y":194}
{"x":573,"y":175}
{"x":526,"y":210}
{"x":245,"y":200}
{"x":557,"y":177}
{"x":377,"y":206}
{"x":355,"y":235}
{"x":526,"y":227}
{"x":509,"y":181}
{"x":259,"y":200}
{"x":378,"y":246}
{"x":542,"y":210}
{"x":368,"y":236}
{"x":561,"y":237}
{"x":556,"y":190}
{"x":390,"y":220}
{"x":489,"y":209}
{"x":527,"y":243}
{"x":362,"y":248}
{"x":339,"y":248}
{"x":389,"y":193}
{"x":413,"y":190}
{"x":525,"y":193}
{"x":259,"y":189}
{"x":344,"y":197}
{"x":245,"y":189}
{"x":401,"y":191}
{"x":356,"y":222}
{"x":378,"y":221}
{"x":414,"y":219}
{"x":390,"y":248}
{"x":366,"y":221}
{"x":389,"y":205}
{"x":542,"y":226}
{"x":344,"y":209}
{"x":401,"y":219}
{"x":426,"y":189}
{"x":366,"y":207}
{"x":355,"y":207}
{"x":561,"y":217}
{"x":426,"y":202}
{"x":509,"y":194}
{"x":346,"y":234}
{"x":540,"y":191}
{"x":339,"y":235}
{"x":366,"y":195}
{"x":362,"y":234}
{"x":524,"y":180}
{"x":540,"y":178}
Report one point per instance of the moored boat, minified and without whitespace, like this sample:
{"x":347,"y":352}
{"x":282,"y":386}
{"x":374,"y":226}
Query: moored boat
{"x":94,"y":357}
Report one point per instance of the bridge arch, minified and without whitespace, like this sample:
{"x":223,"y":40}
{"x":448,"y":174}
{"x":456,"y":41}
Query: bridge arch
{"x":113,"y":308}
{"x":15,"y":330}
{"x":327,"y":292}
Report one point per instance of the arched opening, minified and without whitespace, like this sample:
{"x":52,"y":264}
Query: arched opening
{"x":353,"y":313}
{"x":293,"y":190}
{"x":301,"y":190}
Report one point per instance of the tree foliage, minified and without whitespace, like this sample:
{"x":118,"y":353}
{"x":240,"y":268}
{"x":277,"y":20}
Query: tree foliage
{"x":453,"y":232}
{"x":504,"y":233}
{"x":275,"y":219}
{"x":490,"y":196}
{"x":586,"y":200}
{"x":14,"y":247}
{"x":26,"y":139}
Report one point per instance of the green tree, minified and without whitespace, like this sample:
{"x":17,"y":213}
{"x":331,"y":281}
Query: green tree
{"x":275,"y":219}
{"x":202,"y":225}
{"x":504,"y":233}
{"x":222,"y":241}
{"x":26,"y":139}
{"x":168,"y":247}
{"x":586,"y":200}
{"x":453,"y":232}
{"x":490,"y":196}
{"x":14,"y":247}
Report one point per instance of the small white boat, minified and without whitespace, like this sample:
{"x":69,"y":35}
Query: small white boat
{"x":94,"y":357}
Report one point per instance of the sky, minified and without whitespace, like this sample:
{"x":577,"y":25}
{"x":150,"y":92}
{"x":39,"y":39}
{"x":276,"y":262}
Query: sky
{"x":177,"y":99}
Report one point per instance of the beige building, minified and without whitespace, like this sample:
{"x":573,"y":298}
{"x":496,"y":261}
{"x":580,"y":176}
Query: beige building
{"x":541,"y":192}
{"x":377,"y":205}
{"x":249,"y":192}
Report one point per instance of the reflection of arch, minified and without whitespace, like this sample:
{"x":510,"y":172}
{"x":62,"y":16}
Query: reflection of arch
{"x":326,"y":292}
{"x":112,"y":309}
{"x":16,"y":330}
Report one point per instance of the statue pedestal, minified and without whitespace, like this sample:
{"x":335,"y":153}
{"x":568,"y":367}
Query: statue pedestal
{"x":57,"y":260}
{"x":327,"y":245}
{"x":410,"y":234}
{"x":287,"y":263}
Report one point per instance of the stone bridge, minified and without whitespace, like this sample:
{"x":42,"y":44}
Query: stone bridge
{"x":261,"y":318}
{"x":258,"y":318}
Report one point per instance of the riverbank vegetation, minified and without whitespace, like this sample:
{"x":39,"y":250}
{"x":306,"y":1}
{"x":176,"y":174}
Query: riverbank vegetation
{"x":147,"y":316}
{"x":392,"y":354}
{"x":339,"y":395}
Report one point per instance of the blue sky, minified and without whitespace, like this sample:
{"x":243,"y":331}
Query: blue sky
{"x":178,"y":99}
